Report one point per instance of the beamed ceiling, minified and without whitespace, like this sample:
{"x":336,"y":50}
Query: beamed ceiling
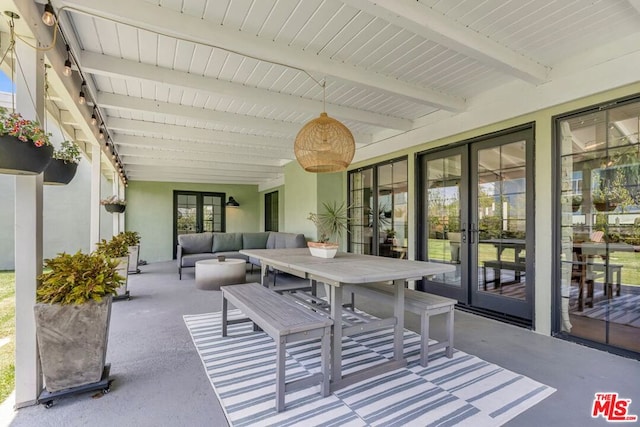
{"x":216,"y":90}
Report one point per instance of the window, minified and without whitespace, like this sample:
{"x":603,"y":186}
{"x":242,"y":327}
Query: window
{"x":599,"y":224}
{"x":378,"y":209}
{"x":271,"y":211}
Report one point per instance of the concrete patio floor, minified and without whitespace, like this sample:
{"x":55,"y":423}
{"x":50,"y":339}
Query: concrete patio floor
{"x":159,"y":379}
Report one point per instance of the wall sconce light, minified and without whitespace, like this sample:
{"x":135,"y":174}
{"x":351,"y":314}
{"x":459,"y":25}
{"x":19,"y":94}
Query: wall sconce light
{"x":232,"y":203}
{"x":49,"y":16}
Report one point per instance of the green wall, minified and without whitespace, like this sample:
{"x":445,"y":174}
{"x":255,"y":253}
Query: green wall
{"x":305,"y":193}
{"x":150,"y":212}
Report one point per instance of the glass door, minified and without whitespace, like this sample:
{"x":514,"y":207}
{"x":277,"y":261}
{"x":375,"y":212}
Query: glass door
{"x":196,"y":212}
{"x":444,"y":220}
{"x":501,"y":191}
{"x":474,"y":204}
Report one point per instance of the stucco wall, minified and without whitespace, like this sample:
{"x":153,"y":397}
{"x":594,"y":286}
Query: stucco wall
{"x":150,"y":213}
{"x":65,"y":217}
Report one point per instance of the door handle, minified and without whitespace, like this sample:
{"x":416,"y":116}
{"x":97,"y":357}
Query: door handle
{"x":472,"y":231}
{"x":463,"y":232}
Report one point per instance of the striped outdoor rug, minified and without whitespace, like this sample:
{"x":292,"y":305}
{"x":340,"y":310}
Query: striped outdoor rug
{"x":464,"y":390}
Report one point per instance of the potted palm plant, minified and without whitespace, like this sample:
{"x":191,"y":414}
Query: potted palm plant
{"x":25,"y":148}
{"x":117,"y":249}
{"x":72,"y":313}
{"x":332,"y":223}
{"x":64,"y":164}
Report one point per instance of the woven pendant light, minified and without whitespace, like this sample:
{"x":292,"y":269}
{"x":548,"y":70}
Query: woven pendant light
{"x":324,"y":145}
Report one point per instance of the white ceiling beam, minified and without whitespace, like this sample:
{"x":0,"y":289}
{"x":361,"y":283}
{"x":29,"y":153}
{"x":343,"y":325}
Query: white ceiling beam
{"x":201,"y":134}
{"x":110,"y":66}
{"x":176,"y":178}
{"x":197,"y":134}
{"x":130,"y":152}
{"x":162,"y":20}
{"x":139,"y":169}
{"x":201,"y":164}
{"x":202,"y":147}
{"x":432,"y":25}
{"x":129,"y":103}
{"x":635,"y":4}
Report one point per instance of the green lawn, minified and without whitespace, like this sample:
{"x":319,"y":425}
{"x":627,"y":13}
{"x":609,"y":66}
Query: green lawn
{"x":7,"y":330}
{"x":439,"y":251}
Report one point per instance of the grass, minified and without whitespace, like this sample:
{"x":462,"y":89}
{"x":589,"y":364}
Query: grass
{"x":439,"y":251}
{"x":7,"y":330}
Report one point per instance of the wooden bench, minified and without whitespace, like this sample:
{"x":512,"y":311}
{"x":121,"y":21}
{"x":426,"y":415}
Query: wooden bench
{"x":586,"y":273}
{"x":285,"y":321}
{"x":421,"y":303}
{"x":517,"y":267}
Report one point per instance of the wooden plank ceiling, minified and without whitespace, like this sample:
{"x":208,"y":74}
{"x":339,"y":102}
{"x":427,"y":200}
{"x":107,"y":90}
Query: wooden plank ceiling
{"x":216,"y":90}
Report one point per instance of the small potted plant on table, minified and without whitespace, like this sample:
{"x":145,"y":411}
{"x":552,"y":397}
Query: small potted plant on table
{"x":330,"y":223}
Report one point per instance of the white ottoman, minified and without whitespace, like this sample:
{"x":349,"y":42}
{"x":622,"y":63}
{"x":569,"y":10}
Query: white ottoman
{"x":211,"y":273}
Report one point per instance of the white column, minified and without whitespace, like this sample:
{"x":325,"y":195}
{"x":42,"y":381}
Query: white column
{"x":94,"y":229}
{"x":121,"y":194}
{"x":28,"y":232}
{"x":117,"y":218}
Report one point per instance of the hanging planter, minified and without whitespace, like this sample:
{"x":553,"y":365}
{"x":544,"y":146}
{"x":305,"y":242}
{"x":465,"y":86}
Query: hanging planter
{"x":24,"y":146}
{"x":59,"y":172}
{"x":23,"y":158}
{"x":64,"y":165}
{"x":114,"y":207}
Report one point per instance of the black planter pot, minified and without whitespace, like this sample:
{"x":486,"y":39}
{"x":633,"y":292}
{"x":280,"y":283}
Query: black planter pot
{"x":115,"y":208}
{"x":23,"y":158}
{"x":59,"y":173}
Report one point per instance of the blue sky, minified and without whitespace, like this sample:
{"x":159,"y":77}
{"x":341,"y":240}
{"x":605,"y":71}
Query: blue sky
{"x":5,"y":83}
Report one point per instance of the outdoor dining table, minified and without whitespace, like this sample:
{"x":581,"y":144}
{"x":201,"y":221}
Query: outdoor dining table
{"x":354,"y":269}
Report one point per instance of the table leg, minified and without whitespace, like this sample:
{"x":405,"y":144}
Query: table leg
{"x":264,"y":274}
{"x":398,"y":312}
{"x":336,"y":341}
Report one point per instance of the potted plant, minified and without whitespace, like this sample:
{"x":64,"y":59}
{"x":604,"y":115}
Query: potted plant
{"x":114,"y":205}
{"x":132,"y":240}
{"x":606,"y":196}
{"x":72,"y":313}
{"x":64,"y":164}
{"x":576,"y":202}
{"x":25,"y":148}
{"x":331,"y":223}
{"x":118,"y":250}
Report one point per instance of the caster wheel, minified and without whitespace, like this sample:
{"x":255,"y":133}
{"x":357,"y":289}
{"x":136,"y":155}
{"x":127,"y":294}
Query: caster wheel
{"x":106,"y":390}
{"x":48,"y":404}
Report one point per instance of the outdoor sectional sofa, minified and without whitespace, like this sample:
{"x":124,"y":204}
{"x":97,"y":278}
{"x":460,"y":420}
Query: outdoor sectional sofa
{"x":208,"y":245}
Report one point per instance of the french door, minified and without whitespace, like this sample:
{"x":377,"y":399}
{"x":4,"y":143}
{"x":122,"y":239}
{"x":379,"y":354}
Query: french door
{"x":474,"y":204}
{"x":196,"y":212}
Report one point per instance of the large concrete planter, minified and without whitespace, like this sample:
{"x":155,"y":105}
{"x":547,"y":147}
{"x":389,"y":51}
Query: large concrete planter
{"x":72,"y":342}
{"x":123,"y":270}
{"x":134,"y":258}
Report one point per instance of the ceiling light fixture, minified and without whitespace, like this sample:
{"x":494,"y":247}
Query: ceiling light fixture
{"x":324,"y":144}
{"x":81,"y":97}
{"x":94,"y":118}
{"x":67,"y":63}
{"x":101,"y":134}
{"x":49,"y":16}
